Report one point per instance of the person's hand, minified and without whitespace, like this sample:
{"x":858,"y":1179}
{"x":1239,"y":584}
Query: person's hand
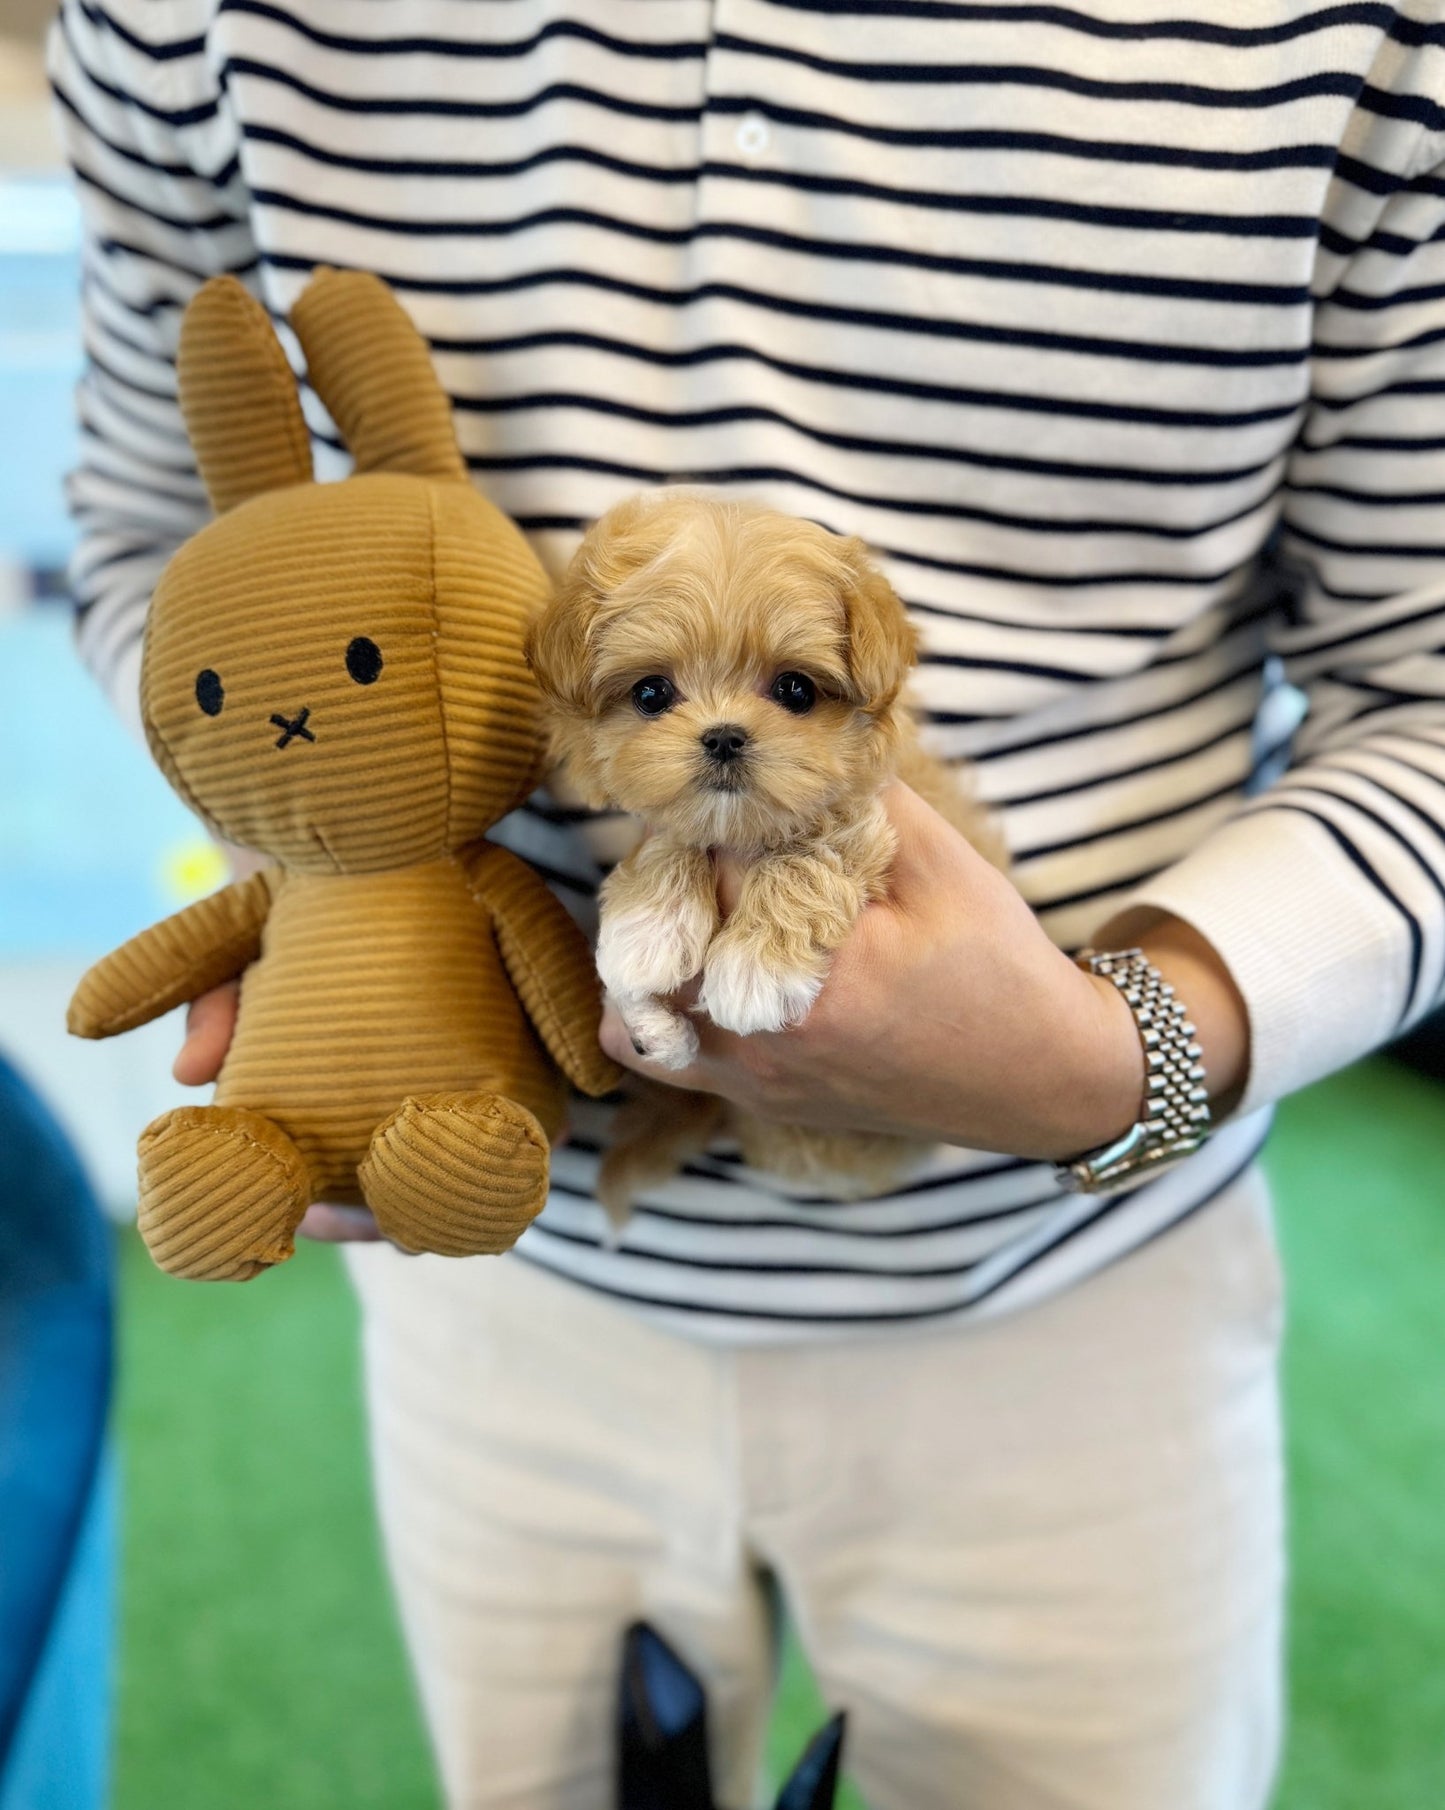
{"x":949,"y":1015}
{"x":210,"y":1024}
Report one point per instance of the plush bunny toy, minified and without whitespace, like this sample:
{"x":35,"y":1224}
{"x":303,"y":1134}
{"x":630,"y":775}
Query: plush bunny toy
{"x":334,"y":675}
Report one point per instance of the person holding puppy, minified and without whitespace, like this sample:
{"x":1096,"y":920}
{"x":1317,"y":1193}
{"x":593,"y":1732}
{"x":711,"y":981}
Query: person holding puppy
{"x":1117,"y":338}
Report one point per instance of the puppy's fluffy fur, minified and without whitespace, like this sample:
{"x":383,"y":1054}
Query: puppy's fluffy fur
{"x":730,"y":606}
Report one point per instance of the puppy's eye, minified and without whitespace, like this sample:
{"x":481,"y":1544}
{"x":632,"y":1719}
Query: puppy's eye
{"x":795,"y":691}
{"x":210,"y":693}
{"x":363,"y":661}
{"x":653,"y":695}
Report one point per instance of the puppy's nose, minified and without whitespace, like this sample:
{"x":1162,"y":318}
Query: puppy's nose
{"x":724,"y":741}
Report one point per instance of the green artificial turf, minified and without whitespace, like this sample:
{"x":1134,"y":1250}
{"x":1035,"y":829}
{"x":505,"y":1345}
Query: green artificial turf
{"x":261,"y":1668}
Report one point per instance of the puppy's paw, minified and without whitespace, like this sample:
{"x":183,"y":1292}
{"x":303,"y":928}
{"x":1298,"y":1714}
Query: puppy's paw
{"x":651,"y":951}
{"x":744,"y":993}
{"x":659,"y":1035}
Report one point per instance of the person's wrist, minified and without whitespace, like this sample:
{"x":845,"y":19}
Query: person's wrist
{"x":1096,"y":1091}
{"x":1190,"y":963}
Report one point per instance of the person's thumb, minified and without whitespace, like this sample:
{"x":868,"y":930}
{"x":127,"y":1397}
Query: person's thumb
{"x":729,"y":871}
{"x":928,"y":845}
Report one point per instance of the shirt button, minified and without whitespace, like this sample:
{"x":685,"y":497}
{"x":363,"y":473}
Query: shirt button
{"x":752,"y":135}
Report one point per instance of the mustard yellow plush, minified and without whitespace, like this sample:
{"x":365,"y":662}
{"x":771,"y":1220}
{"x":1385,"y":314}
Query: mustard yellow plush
{"x":334,"y":674}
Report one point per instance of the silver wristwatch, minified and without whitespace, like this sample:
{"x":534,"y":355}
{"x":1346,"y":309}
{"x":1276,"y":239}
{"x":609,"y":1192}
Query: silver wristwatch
{"x":1174,"y":1121}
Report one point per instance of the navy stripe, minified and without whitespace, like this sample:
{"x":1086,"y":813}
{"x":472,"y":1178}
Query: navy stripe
{"x":420,"y":106}
{"x":1136,"y":770}
{"x":544,"y":523}
{"x":589,"y":156}
{"x":1016,"y":206}
{"x":1065,"y":81}
{"x":1365,"y":549}
{"x":162,"y":51}
{"x":1370,"y":631}
{"x":1110,"y":1204}
{"x":1112,"y":775}
{"x":879,"y":449}
{"x":1185,"y":31}
{"x":1042,"y":850}
{"x":897,"y":1316}
{"x":206,"y":223}
{"x":915,"y":389}
{"x":1315,"y":781}
{"x":1108,"y":282}
{"x":406,"y":282}
{"x":174,"y":172}
{"x":1371,"y":499}
{"x":134,"y":100}
{"x":753,"y":1266}
{"x":465,"y":49}
{"x":1363,"y":303}
{"x":110,"y":245}
{"x":828,"y":1228}
{"x":1234,"y":630}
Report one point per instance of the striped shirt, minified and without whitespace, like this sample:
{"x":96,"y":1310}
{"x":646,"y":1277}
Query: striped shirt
{"x":1117,"y":329}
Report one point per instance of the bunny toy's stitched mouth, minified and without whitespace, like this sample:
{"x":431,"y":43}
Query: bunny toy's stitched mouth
{"x":293,"y":726}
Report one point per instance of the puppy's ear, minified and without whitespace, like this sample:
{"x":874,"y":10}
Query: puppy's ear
{"x":882,"y":642}
{"x":557,"y":645}
{"x":560,"y":644}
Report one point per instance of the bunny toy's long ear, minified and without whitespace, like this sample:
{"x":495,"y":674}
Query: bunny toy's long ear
{"x":373,"y":370}
{"x":238,"y":397}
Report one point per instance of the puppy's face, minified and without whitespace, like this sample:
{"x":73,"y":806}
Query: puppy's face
{"x":725,"y":673}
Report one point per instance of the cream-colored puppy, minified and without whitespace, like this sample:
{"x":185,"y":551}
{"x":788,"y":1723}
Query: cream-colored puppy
{"x":735,"y":678}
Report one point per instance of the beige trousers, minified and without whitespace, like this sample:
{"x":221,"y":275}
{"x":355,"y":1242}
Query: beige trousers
{"x":1037,"y":1560}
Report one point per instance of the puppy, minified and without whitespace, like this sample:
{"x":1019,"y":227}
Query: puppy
{"x":735,"y":678}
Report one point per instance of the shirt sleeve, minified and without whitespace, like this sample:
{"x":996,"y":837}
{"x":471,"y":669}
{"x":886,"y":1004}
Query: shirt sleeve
{"x":147,"y":135}
{"x":1325,"y":896}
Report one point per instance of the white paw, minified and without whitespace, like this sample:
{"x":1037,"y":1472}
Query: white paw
{"x":642,"y":952}
{"x":659,"y":1035}
{"x":742,"y":996}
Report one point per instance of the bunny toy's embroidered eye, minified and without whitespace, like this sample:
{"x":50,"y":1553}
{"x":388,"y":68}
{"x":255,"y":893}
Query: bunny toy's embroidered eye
{"x":363,"y":661}
{"x":653,"y":695}
{"x":795,"y":691}
{"x":210,"y":693}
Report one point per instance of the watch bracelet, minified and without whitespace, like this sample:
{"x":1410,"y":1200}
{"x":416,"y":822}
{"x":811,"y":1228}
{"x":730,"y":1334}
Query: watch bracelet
{"x":1174,"y":1119}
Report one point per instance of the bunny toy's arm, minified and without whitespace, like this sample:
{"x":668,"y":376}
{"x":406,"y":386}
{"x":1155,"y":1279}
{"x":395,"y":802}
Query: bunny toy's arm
{"x":174,"y":961}
{"x":548,"y":962}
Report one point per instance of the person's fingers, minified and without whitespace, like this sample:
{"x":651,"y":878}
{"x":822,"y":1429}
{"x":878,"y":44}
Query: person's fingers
{"x":926,"y":842}
{"x":209,"y":1026}
{"x":329,"y":1224}
{"x":729,"y":871}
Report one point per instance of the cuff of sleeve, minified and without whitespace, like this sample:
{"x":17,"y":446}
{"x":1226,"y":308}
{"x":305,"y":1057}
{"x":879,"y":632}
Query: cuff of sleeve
{"x":1318,"y":954}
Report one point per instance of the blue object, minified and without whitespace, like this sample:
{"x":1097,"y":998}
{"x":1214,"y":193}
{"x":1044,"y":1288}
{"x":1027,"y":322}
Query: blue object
{"x":662,"y":1757}
{"x":40,"y":362}
{"x":55,"y":1376}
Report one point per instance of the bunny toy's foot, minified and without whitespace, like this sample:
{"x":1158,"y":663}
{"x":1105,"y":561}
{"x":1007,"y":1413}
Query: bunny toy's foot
{"x":222,"y":1192}
{"x":457,"y":1174}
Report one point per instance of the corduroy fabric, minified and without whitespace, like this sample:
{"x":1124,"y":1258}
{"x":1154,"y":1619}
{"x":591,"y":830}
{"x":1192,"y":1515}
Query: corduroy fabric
{"x":377,"y":384}
{"x":239,"y":398}
{"x":395,"y":965}
{"x":173,"y":961}
{"x":480,"y":1152}
{"x":375,"y":987}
